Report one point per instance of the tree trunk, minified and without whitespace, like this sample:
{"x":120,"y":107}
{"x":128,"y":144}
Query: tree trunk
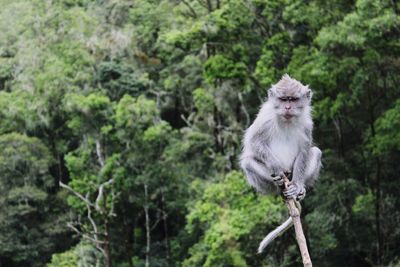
{"x":107,"y":254}
{"x":146,"y":212}
{"x":378,"y":186}
{"x":165,"y":222}
{"x":107,"y":247}
{"x":378,"y":213}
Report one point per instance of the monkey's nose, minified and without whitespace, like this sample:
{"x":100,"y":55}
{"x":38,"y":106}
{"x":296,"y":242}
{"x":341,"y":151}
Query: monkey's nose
{"x":287,"y":107}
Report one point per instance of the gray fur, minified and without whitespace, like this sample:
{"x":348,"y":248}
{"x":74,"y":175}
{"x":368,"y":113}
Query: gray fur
{"x":280,"y":140}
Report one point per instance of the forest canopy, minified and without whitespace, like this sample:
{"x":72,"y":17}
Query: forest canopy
{"x":121,"y":124}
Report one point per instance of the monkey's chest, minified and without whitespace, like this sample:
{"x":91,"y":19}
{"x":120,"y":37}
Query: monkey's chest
{"x":285,"y":150}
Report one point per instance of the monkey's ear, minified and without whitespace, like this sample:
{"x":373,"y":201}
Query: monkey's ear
{"x":270,"y":93}
{"x":308,"y":93}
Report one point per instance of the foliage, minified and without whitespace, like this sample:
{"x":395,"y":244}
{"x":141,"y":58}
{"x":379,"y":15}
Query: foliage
{"x":137,"y":108}
{"x":30,"y":211}
{"x":82,"y":255}
{"x":228,"y":216}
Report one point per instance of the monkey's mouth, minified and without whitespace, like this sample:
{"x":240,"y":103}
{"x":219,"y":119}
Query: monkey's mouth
{"x":288,"y":116}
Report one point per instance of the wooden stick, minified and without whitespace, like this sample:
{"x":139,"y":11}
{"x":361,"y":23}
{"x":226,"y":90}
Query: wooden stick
{"x":301,"y":240}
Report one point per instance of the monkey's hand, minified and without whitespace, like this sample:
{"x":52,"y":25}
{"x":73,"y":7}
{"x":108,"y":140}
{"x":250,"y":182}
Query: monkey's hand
{"x":278,"y":179}
{"x":295,"y":191}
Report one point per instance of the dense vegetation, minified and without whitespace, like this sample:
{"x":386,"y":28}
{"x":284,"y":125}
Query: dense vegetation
{"x":121,"y":122}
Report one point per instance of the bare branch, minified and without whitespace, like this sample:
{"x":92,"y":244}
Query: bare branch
{"x":92,"y":222}
{"x":100,"y":195}
{"x":99,"y":153}
{"x":301,"y":240}
{"x":244,"y":109}
{"x":84,"y":199}
{"x":188,"y":119}
{"x":156,"y":223}
{"x":190,"y":8}
{"x":76,"y":230}
{"x":159,"y":95}
{"x":113,"y":196}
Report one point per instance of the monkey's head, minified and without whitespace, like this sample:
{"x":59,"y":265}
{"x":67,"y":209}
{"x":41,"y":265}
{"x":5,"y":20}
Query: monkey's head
{"x":289,"y":98}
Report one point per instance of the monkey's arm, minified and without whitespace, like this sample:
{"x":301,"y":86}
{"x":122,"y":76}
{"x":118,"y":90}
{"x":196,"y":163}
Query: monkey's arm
{"x":313,"y":166}
{"x":260,"y":147}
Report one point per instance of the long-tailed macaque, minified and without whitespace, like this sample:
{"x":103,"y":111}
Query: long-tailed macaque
{"x":280,"y":141}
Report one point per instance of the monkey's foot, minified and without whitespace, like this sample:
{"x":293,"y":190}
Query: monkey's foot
{"x":301,"y":195}
{"x":294,"y":191}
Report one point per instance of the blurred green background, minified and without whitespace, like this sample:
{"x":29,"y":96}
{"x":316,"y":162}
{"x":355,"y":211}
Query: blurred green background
{"x":138,"y":108}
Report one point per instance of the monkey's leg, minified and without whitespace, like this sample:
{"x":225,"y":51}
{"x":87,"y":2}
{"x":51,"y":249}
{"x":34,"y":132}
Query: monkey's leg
{"x":313,"y":166}
{"x":306,"y":170}
{"x":258,"y":175}
{"x":296,"y":188}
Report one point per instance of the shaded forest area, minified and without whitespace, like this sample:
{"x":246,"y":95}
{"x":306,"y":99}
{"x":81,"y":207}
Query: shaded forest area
{"x":121,"y":123}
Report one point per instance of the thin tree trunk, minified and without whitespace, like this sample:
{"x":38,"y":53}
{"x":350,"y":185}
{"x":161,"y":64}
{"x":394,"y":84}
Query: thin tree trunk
{"x":301,"y":240}
{"x":378,"y":186}
{"x":337,"y":123}
{"x":107,"y":252}
{"x":107,"y":247}
{"x":378,"y":212}
{"x":209,"y":6}
{"x":165,"y":222}
{"x":146,"y":212}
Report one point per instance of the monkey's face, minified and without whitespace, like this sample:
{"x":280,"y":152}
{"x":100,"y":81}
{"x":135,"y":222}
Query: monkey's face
{"x":289,"y":98}
{"x":289,"y":107}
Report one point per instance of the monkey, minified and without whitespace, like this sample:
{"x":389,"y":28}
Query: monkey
{"x":279,"y":141}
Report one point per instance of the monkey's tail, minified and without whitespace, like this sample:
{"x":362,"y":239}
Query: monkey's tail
{"x":274,"y":234}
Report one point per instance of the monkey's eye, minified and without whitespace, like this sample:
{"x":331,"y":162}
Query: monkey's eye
{"x":288,"y":98}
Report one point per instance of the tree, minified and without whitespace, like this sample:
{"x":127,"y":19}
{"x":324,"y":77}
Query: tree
{"x":31,"y":212}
